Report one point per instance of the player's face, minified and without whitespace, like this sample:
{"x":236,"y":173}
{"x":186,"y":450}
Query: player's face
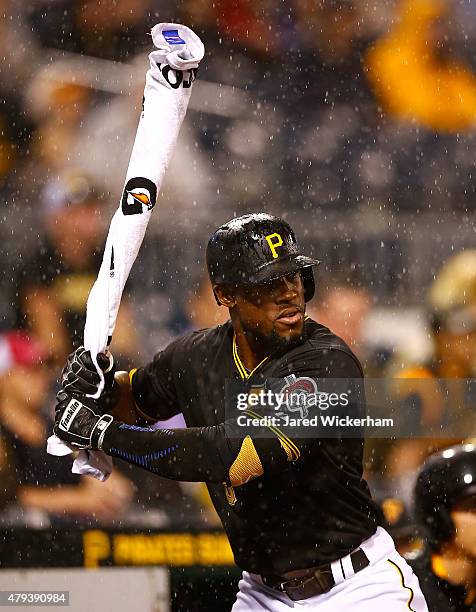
{"x":464,"y":518}
{"x":275,"y":311}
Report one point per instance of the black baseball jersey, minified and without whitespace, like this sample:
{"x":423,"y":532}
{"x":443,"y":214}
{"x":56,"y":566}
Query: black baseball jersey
{"x":440,"y":595}
{"x":299,"y":513}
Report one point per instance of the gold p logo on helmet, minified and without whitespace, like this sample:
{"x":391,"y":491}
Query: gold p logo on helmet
{"x":274,"y":241}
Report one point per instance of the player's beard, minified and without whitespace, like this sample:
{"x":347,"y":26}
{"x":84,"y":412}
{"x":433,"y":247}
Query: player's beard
{"x":277,"y":342}
{"x":273,"y":341}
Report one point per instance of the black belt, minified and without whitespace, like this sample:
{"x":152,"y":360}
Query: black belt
{"x":315,"y":581}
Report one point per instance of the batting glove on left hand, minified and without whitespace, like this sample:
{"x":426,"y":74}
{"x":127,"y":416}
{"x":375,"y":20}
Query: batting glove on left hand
{"x":79,"y":424}
{"x":80,"y":377}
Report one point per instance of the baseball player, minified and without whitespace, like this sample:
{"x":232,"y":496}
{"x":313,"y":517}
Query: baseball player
{"x":298,"y":514}
{"x":445,"y":503}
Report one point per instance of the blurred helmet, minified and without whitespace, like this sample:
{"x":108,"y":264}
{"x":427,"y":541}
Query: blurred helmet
{"x":444,"y":479}
{"x":256,"y":249}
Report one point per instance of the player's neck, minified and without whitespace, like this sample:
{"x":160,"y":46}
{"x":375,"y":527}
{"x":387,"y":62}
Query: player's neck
{"x":454,"y":567}
{"x":250,"y":350}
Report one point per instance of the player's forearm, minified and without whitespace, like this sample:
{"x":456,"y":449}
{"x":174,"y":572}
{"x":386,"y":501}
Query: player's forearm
{"x":180,"y":454}
{"x":196,"y":454}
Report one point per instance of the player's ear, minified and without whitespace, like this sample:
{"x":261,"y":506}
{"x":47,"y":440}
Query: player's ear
{"x":224,"y":295}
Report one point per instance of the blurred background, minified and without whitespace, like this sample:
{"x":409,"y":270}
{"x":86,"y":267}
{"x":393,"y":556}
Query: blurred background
{"x":353,"y":119}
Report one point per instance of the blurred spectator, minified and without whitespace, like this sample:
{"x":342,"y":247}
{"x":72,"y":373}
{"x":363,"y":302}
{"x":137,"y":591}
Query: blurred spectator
{"x":452,"y":302}
{"x":15,"y":130}
{"x":59,"y":109}
{"x":416,"y":73}
{"x":334,"y":29}
{"x":18,"y":44}
{"x":249,"y":23}
{"x":55,"y":282}
{"x":452,"y":310}
{"x":45,"y":488}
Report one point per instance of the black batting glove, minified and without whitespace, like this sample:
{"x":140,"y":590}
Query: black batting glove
{"x":78,"y":422}
{"x":80,"y":377}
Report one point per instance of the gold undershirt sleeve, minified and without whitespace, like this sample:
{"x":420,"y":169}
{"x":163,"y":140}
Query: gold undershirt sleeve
{"x":247,"y":464}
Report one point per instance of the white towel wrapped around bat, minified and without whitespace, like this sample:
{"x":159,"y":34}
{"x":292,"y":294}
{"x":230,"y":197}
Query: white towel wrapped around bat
{"x":166,"y":95}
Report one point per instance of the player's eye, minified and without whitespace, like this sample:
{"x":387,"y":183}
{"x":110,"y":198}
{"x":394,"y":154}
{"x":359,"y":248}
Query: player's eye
{"x":293,"y":277}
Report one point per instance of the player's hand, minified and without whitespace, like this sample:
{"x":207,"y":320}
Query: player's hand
{"x":80,"y":424}
{"x":80,"y":377}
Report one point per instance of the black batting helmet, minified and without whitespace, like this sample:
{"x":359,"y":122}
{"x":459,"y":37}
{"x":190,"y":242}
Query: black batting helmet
{"x":256,"y":249}
{"x":445,"y":478}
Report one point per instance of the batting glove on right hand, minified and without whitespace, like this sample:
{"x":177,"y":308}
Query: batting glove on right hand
{"x":78,"y":423}
{"x":80,"y":377}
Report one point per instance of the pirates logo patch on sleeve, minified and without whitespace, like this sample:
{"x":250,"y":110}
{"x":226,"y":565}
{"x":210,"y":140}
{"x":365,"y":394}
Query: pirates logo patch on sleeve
{"x":140,"y":195}
{"x":297,"y":390}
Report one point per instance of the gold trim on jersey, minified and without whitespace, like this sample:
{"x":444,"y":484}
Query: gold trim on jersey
{"x":230,"y":494}
{"x":402,"y":580}
{"x":292,"y":451}
{"x":242,"y":371}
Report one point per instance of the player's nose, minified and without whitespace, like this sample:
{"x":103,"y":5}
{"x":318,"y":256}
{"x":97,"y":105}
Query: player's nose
{"x":286,"y":288}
